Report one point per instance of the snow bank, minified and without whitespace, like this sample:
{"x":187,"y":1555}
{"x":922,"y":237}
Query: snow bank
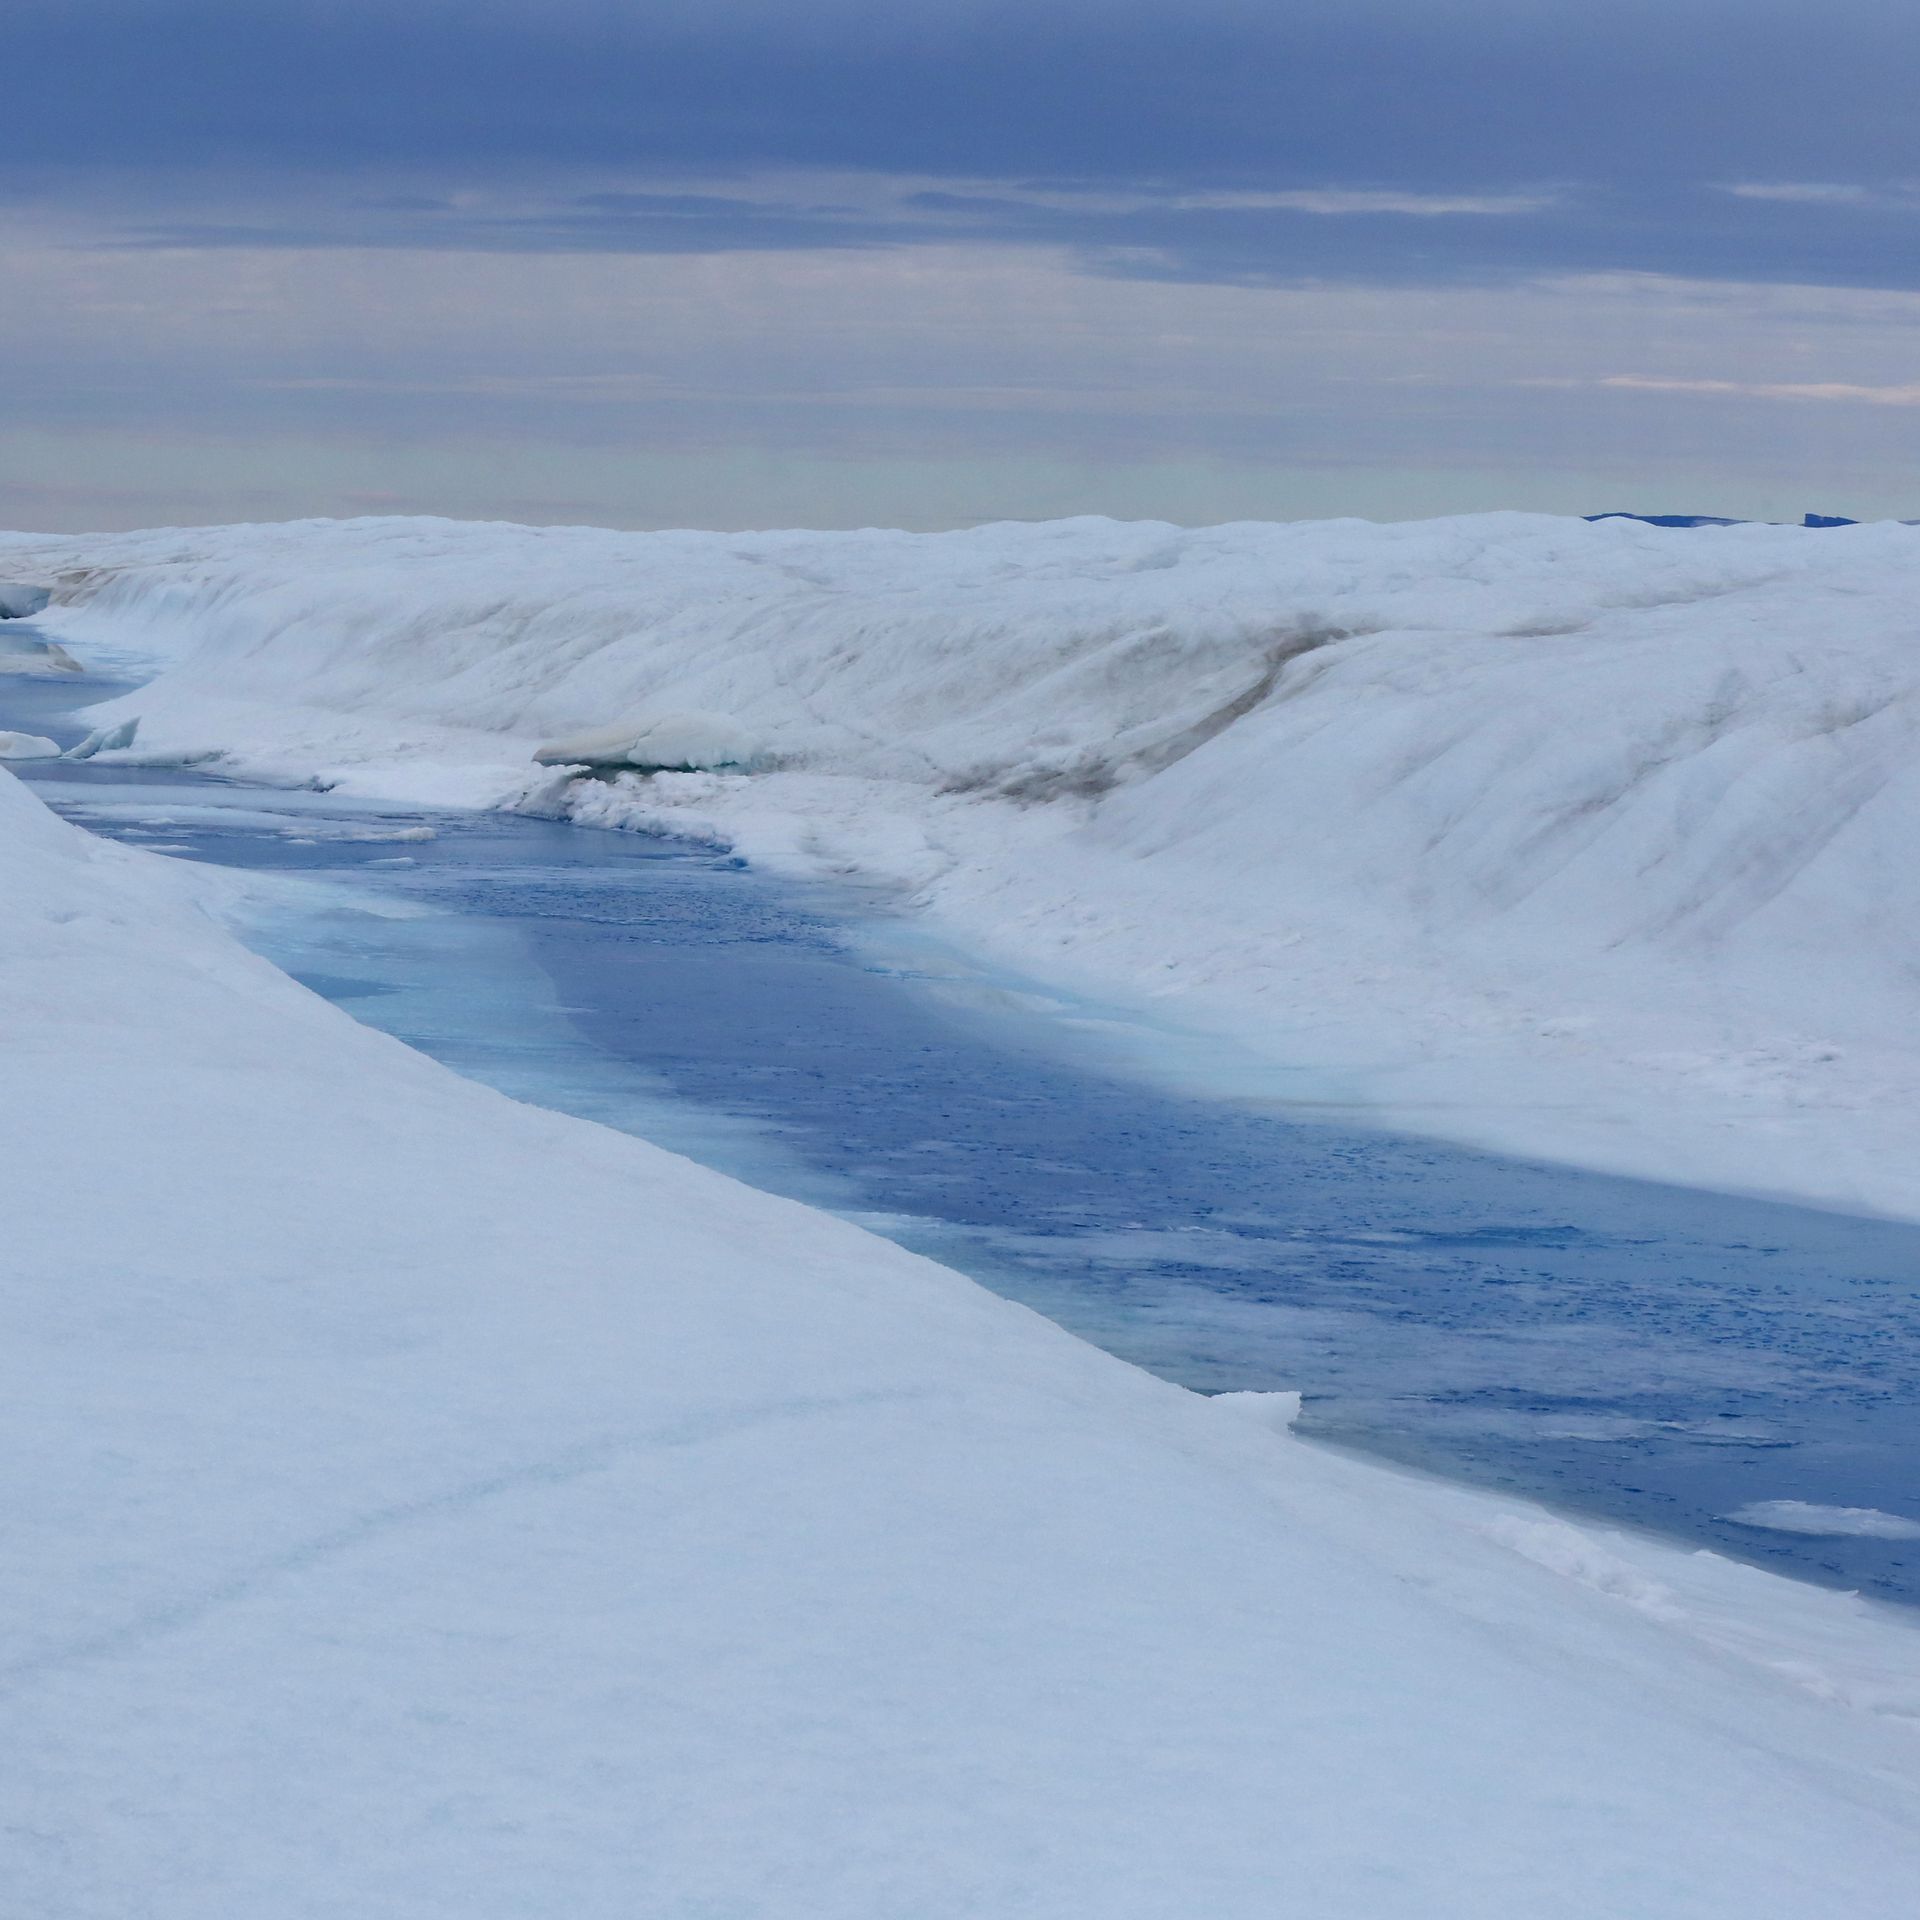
{"x":1577,"y":839}
{"x":425,"y":1504}
{"x":27,"y":746}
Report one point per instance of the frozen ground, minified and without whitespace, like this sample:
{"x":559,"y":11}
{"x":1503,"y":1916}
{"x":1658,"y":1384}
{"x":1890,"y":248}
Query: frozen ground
{"x":426,"y":1505}
{"x":1581,"y":840}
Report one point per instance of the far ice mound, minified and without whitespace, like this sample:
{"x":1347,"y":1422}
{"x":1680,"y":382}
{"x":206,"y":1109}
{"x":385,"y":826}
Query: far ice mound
{"x":104,"y":740}
{"x":1804,"y":1516}
{"x":665,"y":743}
{"x":27,"y":746}
{"x":18,"y":602}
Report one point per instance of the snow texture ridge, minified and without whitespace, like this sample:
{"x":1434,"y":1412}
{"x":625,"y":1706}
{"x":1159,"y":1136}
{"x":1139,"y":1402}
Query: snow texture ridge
{"x":425,"y":1505}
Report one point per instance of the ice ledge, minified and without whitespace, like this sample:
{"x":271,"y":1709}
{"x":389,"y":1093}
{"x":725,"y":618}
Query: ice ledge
{"x":19,"y":601}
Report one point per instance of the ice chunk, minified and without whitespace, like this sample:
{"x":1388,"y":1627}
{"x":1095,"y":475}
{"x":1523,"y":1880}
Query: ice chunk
{"x":18,"y":601}
{"x":27,"y":746}
{"x":663,"y":743}
{"x":105,"y":740}
{"x":1804,"y":1516}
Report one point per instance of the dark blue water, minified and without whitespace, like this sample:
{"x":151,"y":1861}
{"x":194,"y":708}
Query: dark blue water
{"x":1653,"y":1354}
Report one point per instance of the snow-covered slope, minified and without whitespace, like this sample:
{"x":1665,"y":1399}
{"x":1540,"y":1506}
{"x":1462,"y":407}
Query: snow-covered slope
{"x":1579,"y":839}
{"x":425,"y":1505}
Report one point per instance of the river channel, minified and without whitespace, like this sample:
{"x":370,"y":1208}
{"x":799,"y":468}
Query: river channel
{"x":1654,"y":1355}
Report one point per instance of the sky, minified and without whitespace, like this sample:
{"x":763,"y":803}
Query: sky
{"x":746,"y":264}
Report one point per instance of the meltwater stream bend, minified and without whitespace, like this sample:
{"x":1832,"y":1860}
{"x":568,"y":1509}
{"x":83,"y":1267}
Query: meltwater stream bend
{"x":1656,"y":1355}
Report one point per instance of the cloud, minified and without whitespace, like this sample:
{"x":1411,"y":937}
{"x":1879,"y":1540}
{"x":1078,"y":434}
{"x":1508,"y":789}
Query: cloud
{"x":1123,"y":234}
{"x":1801,"y":193}
{"x":1131,"y":228}
{"x":1215,"y":140}
{"x":1334,"y":201}
{"x":1397,"y":95}
{"x":1904,"y":395}
{"x":1329,"y":201}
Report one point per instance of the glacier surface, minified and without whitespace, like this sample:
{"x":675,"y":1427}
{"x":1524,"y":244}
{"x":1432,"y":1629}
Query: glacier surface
{"x":1580,"y":840}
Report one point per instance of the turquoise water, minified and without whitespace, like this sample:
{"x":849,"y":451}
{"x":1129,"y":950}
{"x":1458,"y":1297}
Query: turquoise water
{"x":1652,"y":1354}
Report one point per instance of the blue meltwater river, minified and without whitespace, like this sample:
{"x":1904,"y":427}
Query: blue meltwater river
{"x":1655,"y":1355}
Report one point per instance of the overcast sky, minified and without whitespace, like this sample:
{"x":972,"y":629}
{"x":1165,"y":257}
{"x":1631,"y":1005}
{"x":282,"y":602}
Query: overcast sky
{"x":747,"y":263}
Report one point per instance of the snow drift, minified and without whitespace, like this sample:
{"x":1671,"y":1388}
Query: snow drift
{"x":430,"y":1505}
{"x":1587,"y":839}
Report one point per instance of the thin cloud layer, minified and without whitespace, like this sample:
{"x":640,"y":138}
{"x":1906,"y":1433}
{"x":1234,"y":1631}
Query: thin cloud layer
{"x":1203,"y":134}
